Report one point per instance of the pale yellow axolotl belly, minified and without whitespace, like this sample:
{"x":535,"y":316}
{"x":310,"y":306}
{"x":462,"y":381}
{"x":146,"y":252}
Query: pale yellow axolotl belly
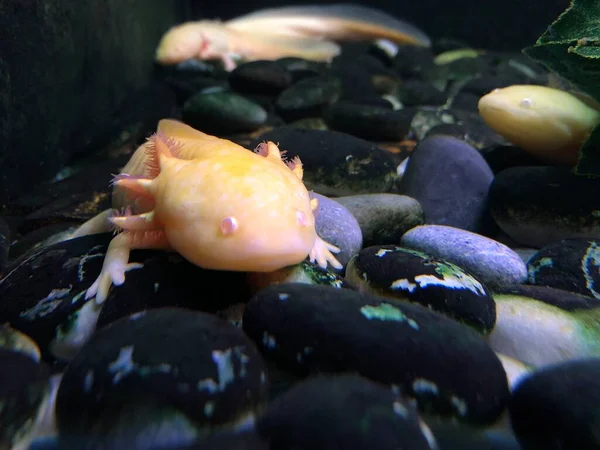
{"x":214,"y":202}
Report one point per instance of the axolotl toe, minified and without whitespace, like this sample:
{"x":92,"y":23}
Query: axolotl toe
{"x":214,"y":202}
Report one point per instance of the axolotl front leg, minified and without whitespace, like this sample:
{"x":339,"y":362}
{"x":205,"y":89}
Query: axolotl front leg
{"x":322,"y":251}
{"x":139,"y":231}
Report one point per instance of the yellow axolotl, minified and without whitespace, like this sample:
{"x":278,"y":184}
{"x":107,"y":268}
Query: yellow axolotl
{"x":212,"y":201}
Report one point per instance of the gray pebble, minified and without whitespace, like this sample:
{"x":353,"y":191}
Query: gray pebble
{"x":383,"y":218}
{"x":492,"y":262}
{"x":336,"y":225}
{"x":450,"y":179}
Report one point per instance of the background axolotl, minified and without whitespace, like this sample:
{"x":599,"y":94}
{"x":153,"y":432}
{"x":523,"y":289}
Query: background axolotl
{"x":304,"y":31}
{"x":214,"y":202}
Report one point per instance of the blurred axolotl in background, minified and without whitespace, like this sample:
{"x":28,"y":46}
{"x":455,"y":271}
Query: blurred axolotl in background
{"x":217,"y":204}
{"x":307,"y":32}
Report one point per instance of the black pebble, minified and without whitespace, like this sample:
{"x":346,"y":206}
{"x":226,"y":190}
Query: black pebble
{"x":300,"y":68}
{"x":414,"y":92}
{"x":413,"y":61}
{"x":166,"y":366}
{"x":466,"y":101}
{"x":369,"y":122}
{"x":396,"y":272}
{"x":43,"y":295}
{"x":571,"y":264}
{"x":225,"y":440}
{"x":308,"y":97}
{"x":501,"y":157}
{"x":486,"y":83}
{"x":343,"y":412}
{"x":557,"y":407}
{"x":337,"y":163}
{"x":539,"y":205}
{"x":4,"y":244}
{"x":260,"y":78}
{"x":565,"y":300}
{"x":447,"y":366}
{"x":23,"y":387}
{"x":223,"y":113}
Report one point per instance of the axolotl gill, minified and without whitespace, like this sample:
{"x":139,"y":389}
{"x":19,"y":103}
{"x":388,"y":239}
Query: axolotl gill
{"x":214,"y":202}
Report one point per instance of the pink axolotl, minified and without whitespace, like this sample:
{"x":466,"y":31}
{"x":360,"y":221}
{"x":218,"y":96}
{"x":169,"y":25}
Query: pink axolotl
{"x":212,"y":201}
{"x":302,"y":31}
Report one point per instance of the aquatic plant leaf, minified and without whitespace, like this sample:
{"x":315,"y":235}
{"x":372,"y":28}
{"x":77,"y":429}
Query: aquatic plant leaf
{"x":570,"y":47}
{"x":589,"y":156}
{"x":578,"y":65}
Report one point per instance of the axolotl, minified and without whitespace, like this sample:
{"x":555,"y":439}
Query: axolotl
{"x":304,"y":31}
{"x":214,"y":202}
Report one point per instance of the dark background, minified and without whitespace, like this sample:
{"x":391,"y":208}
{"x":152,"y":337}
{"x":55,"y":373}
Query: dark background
{"x":69,"y":68}
{"x":491,"y":24}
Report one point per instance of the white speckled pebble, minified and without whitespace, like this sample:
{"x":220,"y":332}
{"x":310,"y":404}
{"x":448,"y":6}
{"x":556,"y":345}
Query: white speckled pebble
{"x":492,"y":262}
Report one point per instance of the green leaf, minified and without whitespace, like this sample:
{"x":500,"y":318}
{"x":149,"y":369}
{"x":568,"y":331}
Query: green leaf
{"x":589,"y":156}
{"x":580,"y":20}
{"x":579,"y":69}
{"x":570,"y":47}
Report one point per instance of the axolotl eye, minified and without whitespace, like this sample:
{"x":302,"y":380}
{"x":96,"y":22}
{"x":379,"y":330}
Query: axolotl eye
{"x":229,"y":225}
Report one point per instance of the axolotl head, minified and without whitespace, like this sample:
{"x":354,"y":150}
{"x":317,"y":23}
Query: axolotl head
{"x":235,"y":210}
{"x":202,"y":40}
{"x":550,"y":123}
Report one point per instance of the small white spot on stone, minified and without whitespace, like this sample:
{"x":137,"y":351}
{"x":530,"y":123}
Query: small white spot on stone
{"x":225,"y":373}
{"x":269,"y":341}
{"x":243,"y":361}
{"x":404,"y":285}
{"x":160,"y":368}
{"x":452,"y":281}
{"x":88,"y":381}
{"x":209,"y":408}
{"x":390,"y":48}
{"x":460,"y":405}
{"x":137,"y":315}
{"x":85,"y":258}
{"x":283,"y":296}
{"x":46,"y":305}
{"x":78,"y":296}
{"x":208,"y":384}
{"x":387,"y":312}
{"x":400,"y":409}
{"x":431,"y":441}
{"x":422,"y":386}
{"x":123,"y":365}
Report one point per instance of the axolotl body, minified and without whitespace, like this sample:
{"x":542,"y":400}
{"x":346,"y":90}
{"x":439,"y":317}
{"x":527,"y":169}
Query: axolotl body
{"x":212,"y":201}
